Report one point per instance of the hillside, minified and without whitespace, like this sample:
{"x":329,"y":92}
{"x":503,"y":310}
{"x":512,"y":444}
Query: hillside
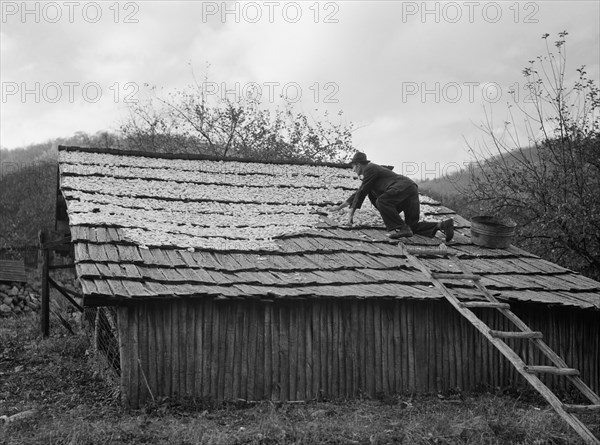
{"x":453,"y":190}
{"x":27,"y":196}
{"x":32,"y":154}
{"x":28,"y":189}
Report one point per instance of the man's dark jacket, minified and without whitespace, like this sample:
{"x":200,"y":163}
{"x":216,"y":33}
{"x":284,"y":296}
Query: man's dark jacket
{"x":376,"y":181}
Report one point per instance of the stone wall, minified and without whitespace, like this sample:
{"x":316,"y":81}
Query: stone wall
{"x":18,"y":298}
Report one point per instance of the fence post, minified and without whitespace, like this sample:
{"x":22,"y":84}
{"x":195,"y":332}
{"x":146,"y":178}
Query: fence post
{"x":45,"y":308}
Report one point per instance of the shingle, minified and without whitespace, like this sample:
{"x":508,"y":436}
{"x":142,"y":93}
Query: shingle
{"x":224,"y":233}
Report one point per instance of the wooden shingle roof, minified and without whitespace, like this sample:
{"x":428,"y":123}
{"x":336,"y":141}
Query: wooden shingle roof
{"x":161,"y":226}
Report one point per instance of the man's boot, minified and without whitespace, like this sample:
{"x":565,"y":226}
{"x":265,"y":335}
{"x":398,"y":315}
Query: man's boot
{"x":401,"y":232}
{"x":447,"y":226}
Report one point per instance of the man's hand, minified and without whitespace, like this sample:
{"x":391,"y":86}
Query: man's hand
{"x":338,"y":207}
{"x":350,"y":219}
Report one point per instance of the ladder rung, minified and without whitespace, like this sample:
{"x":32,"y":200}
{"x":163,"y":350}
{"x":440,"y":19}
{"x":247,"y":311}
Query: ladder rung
{"x":551,"y":370}
{"x":581,"y":408}
{"x":486,"y":304}
{"x":426,"y":251}
{"x":455,"y":276}
{"x":519,"y":334}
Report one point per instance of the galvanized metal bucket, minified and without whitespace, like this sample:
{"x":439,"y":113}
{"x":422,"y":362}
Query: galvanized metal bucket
{"x":493,"y":232}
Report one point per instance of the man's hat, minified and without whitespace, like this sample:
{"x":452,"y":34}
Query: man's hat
{"x":359,"y":158}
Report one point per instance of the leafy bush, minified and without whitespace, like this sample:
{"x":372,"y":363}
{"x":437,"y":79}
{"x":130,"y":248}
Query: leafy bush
{"x":545,"y":172}
{"x":192,"y":121}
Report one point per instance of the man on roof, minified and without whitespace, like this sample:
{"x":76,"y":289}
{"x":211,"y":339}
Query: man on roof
{"x":391,"y":194}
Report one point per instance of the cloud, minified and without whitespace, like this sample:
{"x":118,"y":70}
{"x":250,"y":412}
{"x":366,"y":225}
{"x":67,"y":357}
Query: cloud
{"x":413,"y":77}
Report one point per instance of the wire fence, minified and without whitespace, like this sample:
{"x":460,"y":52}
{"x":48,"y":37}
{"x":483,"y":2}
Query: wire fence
{"x":100,"y":324}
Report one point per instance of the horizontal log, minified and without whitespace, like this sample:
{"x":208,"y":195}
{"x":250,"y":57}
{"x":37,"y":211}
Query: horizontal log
{"x":486,"y":304}
{"x":551,"y":370}
{"x":59,"y":244}
{"x":13,"y":277}
{"x":455,"y":276}
{"x":426,"y":251}
{"x":581,"y":408}
{"x":519,"y":334}
{"x":12,"y":271}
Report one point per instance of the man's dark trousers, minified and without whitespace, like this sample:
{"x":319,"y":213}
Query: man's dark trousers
{"x":394,"y":200}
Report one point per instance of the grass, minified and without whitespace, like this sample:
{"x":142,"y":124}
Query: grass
{"x":76,"y":402}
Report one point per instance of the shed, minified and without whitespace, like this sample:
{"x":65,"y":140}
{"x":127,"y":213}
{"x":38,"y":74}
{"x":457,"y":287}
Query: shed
{"x":229,"y":282}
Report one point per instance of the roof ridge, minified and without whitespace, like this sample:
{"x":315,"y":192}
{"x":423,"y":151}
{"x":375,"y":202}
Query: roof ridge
{"x":198,"y":157}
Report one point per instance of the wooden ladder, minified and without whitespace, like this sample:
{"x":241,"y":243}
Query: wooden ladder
{"x":529,"y":372}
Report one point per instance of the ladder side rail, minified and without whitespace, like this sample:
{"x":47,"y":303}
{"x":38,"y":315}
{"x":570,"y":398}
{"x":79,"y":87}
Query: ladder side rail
{"x":511,"y":355}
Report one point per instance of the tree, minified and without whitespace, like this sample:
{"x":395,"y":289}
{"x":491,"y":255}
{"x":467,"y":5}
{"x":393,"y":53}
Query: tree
{"x":543,"y":168}
{"x":193,"y":121}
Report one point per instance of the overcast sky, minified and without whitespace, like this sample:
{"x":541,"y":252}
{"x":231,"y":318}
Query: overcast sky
{"x":414,"y":76}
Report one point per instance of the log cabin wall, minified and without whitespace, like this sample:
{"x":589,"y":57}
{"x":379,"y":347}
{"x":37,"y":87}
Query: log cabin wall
{"x":330,"y":348}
